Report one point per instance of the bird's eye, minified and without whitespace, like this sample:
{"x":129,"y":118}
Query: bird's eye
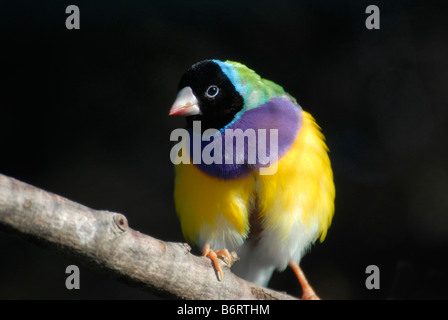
{"x":212,"y":91}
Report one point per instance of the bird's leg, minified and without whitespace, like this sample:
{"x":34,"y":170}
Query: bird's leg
{"x":213,"y":256}
{"x":307,"y":291}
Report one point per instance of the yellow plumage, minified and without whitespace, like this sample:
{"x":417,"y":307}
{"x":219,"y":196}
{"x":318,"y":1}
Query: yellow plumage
{"x":203,"y":202}
{"x":296,"y":204}
{"x":302,"y":189}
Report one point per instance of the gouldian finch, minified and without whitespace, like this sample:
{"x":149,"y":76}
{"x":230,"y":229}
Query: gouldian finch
{"x":271,"y":218}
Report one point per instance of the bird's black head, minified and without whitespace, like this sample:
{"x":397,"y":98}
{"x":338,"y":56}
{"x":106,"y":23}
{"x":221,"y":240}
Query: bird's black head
{"x":207,"y":94}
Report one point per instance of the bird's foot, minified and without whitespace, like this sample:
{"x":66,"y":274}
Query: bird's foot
{"x":307,"y":291}
{"x":214,"y":257}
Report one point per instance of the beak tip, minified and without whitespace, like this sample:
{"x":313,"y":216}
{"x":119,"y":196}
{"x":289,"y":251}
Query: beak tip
{"x":186,"y":104}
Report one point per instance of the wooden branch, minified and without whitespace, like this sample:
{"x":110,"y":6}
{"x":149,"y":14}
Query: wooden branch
{"x":105,"y":240}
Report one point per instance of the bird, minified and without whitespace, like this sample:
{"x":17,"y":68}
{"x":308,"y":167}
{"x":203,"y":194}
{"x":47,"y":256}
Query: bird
{"x":270,"y":220}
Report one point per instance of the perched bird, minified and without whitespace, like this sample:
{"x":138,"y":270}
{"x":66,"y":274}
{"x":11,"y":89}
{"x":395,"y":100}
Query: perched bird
{"x":269,"y":220}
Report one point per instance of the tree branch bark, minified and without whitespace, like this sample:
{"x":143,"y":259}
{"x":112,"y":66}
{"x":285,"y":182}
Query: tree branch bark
{"x":105,"y":240}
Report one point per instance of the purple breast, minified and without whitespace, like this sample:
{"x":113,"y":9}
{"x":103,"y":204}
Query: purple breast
{"x":258,"y":145}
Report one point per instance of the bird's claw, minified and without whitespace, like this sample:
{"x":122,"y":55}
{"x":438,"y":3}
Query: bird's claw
{"x":214,"y":257}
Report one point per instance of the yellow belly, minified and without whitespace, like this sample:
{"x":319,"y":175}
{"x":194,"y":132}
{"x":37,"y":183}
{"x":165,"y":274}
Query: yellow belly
{"x":212,"y":210}
{"x":297,"y":198}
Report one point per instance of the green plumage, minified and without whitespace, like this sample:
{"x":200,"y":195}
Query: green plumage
{"x":254,"y":89}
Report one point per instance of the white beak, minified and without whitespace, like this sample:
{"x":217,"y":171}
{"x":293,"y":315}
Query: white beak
{"x":186,"y":103}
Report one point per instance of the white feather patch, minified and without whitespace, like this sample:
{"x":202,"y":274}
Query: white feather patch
{"x":225,"y":236}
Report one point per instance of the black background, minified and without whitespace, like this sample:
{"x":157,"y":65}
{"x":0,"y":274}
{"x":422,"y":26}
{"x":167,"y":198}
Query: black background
{"x":84,"y":115}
